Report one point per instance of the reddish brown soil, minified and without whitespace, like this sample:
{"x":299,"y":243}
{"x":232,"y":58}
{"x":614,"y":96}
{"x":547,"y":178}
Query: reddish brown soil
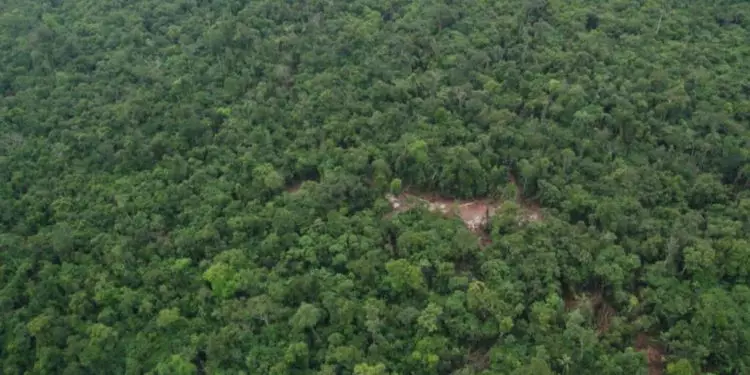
{"x":473,"y":213}
{"x":603,"y":312}
{"x":604,"y":315}
{"x":654,"y":353}
{"x":476,"y":211}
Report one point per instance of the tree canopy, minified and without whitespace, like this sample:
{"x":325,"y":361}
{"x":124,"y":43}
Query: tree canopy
{"x":199,"y":187}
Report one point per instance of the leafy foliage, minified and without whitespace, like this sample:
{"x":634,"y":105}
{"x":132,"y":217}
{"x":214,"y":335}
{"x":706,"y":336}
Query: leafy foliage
{"x":145,"y":147}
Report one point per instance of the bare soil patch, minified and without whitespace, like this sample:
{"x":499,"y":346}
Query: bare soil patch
{"x":654,"y":353}
{"x":533,"y":211}
{"x":604,"y":314}
{"x":594,"y":302}
{"x":475,"y":214}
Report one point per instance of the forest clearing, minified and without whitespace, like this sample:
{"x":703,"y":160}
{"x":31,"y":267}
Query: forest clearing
{"x":474,"y":213}
{"x":369,"y":187}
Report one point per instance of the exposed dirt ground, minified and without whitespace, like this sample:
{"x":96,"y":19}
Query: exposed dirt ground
{"x":474,"y":213}
{"x":603,"y":312}
{"x":654,"y":353}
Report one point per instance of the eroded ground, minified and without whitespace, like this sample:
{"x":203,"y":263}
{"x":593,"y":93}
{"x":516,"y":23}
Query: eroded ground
{"x":474,"y":213}
{"x":603,"y":314}
{"x":654,"y":353}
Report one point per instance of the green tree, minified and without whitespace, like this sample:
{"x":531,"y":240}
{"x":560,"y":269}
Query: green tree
{"x":404,"y":277}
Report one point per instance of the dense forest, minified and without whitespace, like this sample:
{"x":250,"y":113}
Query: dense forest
{"x":211,"y":187}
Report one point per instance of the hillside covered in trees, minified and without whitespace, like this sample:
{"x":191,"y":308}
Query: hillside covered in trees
{"x":221,"y":187}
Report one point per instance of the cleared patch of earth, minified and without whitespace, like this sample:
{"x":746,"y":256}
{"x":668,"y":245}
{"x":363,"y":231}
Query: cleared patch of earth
{"x":474,"y":213}
{"x":654,"y":353}
{"x":594,"y":302}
